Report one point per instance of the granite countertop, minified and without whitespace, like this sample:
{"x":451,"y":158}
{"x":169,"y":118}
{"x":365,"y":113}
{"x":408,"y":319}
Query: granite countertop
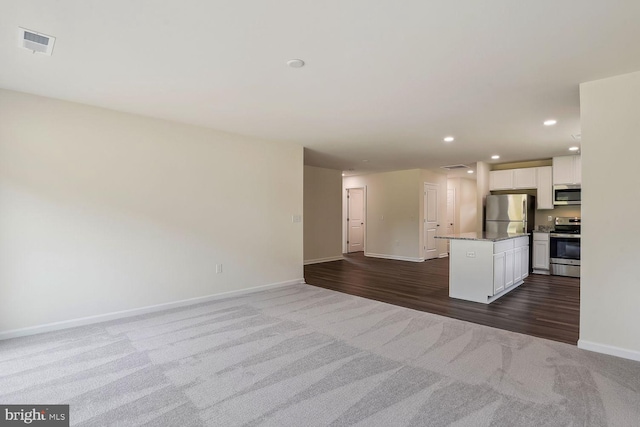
{"x":490,"y":237}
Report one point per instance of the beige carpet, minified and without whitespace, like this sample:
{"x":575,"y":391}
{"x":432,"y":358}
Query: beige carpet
{"x":305,"y":356}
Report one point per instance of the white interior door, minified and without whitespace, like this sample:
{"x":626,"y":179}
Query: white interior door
{"x":430,"y":220}
{"x":355,"y":220}
{"x":451,"y":209}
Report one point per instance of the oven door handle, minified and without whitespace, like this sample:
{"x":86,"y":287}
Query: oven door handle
{"x":565,"y":236}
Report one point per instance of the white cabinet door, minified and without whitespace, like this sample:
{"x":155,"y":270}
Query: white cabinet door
{"x":541,"y":254}
{"x":525,"y":262}
{"x":525,"y":178}
{"x":545,"y":188}
{"x":517,"y":265}
{"x":508,"y":268}
{"x":577,"y":169}
{"x":498,"y":272}
{"x":567,"y":170}
{"x":501,"y":180}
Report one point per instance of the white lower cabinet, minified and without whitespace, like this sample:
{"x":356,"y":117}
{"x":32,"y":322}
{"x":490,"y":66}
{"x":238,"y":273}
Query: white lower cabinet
{"x":525,"y":262}
{"x":483,"y":270}
{"x":498,"y":272}
{"x":509,"y":257}
{"x":517,"y":264}
{"x":510,"y":263}
{"x":541,"y":253}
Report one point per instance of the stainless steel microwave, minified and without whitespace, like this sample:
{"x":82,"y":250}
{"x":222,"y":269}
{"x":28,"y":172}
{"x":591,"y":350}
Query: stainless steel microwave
{"x":567,"y":195}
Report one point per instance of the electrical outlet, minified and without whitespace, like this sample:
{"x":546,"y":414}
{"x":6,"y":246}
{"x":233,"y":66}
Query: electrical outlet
{"x":296,"y":218}
{"x":471,"y":254}
{"x":218,"y":268}
{"x":549,"y":218}
{"x":397,"y":242}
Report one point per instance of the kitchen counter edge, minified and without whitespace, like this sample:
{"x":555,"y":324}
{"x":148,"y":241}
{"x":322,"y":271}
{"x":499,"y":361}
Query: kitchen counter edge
{"x":488,"y":237}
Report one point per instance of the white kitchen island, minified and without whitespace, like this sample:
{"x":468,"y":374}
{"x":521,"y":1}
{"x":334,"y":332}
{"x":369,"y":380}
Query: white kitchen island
{"x":485,"y":266}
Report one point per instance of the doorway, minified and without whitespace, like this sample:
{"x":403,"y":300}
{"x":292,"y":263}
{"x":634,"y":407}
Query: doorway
{"x":451,"y":212}
{"x":430,"y":220}
{"x":355,"y":219}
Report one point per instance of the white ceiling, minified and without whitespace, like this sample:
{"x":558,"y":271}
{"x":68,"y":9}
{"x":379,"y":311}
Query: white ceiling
{"x":385,"y":80}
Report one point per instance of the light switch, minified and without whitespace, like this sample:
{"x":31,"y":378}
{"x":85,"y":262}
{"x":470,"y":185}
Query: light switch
{"x":296,"y":218}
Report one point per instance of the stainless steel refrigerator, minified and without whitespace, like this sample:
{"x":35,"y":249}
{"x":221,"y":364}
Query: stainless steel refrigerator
{"x":510,"y":213}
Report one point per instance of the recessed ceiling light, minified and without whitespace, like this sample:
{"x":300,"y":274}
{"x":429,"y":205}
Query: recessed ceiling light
{"x":574,"y":148}
{"x":550,"y":122}
{"x":449,"y":139}
{"x":495,"y":157}
{"x":469,"y":171}
{"x":295,"y":63}
{"x":343,"y":174}
{"x":365,"y":161}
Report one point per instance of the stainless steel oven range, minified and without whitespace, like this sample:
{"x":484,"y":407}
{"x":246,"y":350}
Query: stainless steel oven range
{"x":564,"y":243}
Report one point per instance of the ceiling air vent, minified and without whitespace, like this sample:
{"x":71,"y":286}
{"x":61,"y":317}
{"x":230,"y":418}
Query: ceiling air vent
{"x":35,"y":41}
{"x":455,"y":167}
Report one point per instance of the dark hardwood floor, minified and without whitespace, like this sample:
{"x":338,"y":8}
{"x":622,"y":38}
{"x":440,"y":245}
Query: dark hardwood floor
{"x":543,"y":306}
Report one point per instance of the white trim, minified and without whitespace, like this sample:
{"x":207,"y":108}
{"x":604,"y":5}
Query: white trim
{"x":72,"y":323}
{"x":609,"y":349}
{"x":327,"y":259}
{"x":395,"y":257}
{"x":443,"y":255}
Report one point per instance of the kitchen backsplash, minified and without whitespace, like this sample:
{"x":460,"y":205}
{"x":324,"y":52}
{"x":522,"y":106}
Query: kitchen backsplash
{"x":542,"y":217}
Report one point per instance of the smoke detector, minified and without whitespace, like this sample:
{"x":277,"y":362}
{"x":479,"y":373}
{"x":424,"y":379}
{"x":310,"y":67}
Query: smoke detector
{"x":35,"y":42}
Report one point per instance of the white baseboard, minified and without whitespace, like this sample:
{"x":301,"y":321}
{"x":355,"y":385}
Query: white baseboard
{"x":395,"y":257}
{"x":444,"y":255}
{"x":609,"y":349}
{"x":327,"y":259}
{"x":72,"y":323}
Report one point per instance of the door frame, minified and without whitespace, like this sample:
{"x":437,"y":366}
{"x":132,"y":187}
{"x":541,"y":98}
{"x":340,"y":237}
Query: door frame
{"x":424,"y":219}
{"x":345,"y":215}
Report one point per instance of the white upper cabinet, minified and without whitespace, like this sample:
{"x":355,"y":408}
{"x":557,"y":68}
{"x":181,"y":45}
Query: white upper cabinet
{"x":539,"y":178}
{"x":567,"y":170}
{"x":511,"y":179}
{"x":525,"y":178}
{"x":545,"y":188}
{"x":501,"y":180}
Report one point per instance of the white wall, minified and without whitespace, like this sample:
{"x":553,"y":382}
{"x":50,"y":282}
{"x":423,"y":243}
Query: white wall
{"x":440,"y":179}
{"x":482,"y":185}
{"x":392,"y":205}
{"x":395,"y":205}
{"x":103,"y":211}
{"x":322,"y":214}
{"x":466,"y":204}
{"x":610,"y":288}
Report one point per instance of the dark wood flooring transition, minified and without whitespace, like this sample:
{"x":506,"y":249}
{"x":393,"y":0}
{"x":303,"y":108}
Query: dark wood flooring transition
{"x":543,"y":306}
